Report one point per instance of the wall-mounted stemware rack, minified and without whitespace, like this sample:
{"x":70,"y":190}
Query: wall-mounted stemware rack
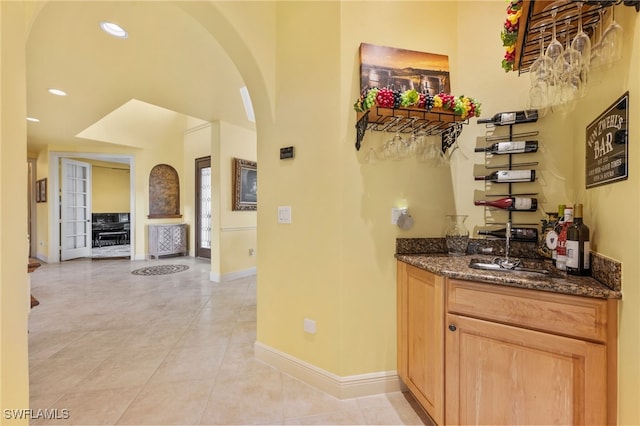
{"x":536,"y":13}
{"x":422,"y":122}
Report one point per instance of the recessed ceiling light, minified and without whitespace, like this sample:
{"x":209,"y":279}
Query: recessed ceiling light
{"x":57,"y":92}
{"x":35,"y":120}
{"x":113,"y":29}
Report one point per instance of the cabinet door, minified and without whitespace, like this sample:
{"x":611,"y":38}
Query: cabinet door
{"x":179,"y":238}
{"x":420,"y":337}
{"x":499,"y":374}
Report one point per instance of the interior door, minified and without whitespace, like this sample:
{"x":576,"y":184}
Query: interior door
{"x":75,"y":210}
{"x":203,"y":207}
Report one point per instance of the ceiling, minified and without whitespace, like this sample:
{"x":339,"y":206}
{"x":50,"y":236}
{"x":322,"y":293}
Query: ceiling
{"x":168,"y":68}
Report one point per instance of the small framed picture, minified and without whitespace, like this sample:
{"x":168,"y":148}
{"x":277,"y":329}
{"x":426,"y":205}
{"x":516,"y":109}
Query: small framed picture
{"x":245,"y":185}
{"x":41,"y":191}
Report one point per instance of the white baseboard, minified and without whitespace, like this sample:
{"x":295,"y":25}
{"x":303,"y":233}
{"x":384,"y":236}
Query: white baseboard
{"x":232,"y":275}
{"x":341,"y":387}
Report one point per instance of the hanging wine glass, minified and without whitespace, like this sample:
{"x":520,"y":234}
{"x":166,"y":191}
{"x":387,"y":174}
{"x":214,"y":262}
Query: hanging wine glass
{"x":393,"y":147}
{"x":611,"y":41}
{"x":542,"y":67}
{"x":554,"y":49}
{"x":597,"y":58}
{"x":567,"y":70}
{"x":541,"y":73}
{"x":582,"y":42}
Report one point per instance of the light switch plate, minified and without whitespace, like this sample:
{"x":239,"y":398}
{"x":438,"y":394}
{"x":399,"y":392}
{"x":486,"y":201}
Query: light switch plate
{"x":284,"y":214}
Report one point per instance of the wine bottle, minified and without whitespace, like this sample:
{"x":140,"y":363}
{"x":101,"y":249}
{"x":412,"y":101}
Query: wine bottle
{"x":510,"y":147}
{"x":561,"y":259}
{"x":503,"y":176}
{"x":511,"y":203}
{"x":513,"y":117}
{"x":517,"y":234}
{"x":551,"y":239}
{"x":578,"y":247}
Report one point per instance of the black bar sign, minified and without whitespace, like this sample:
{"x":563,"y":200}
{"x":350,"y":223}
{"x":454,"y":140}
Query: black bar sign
{"x":607,"y":145}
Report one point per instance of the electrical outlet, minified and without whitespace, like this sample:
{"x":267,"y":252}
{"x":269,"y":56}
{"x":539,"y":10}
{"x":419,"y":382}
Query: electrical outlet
{"x":309,"y":326}
{"x":251,"y":252}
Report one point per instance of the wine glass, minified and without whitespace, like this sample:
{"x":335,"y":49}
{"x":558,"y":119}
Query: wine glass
{"x":432,"y":154}
{"x":541,"y":71}
{"x":542,"y":67}
{"x":597,"y":57}
{"x":567,"y":70}
{"x":582,"y":42}
{"x":611,"y":41}
{"x":554,"y":49}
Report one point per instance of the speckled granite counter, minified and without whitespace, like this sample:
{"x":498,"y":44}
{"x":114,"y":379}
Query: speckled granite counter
{"x":458,"y":267}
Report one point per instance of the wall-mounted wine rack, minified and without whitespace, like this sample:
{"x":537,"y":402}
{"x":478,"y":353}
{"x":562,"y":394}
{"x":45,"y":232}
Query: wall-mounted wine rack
{"x":508,"y":161}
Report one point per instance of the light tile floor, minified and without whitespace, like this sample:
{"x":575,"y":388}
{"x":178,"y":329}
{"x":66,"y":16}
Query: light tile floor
{"x":109,"y":347}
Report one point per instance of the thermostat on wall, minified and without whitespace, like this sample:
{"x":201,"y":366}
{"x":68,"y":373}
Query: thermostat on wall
{"x":286,"y":152}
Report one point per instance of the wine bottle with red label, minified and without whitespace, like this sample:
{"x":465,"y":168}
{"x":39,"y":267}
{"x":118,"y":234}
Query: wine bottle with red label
{"x":511,"y":203}
{"x":561,"y":259}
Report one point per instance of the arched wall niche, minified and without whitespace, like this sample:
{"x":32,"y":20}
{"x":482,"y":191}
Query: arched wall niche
{"x":164,"y":192}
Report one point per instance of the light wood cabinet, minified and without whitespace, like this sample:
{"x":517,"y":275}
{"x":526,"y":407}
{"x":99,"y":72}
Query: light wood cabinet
{"x":421,"y":317}
{"x":168,"y":239}
{"x":476,"y":353}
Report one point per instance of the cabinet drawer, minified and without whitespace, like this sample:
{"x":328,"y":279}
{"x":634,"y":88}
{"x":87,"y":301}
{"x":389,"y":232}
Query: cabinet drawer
{"x":574,"y":316}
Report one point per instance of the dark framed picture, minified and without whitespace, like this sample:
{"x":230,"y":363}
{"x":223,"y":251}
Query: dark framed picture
{"x":41,"y":191}
{"x":245,"y":184}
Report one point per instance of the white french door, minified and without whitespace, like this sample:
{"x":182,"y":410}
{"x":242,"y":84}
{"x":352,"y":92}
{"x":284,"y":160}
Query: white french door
{"x":75,"y":210}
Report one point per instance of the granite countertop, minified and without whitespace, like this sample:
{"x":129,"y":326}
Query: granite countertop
{"x":556,"y":282}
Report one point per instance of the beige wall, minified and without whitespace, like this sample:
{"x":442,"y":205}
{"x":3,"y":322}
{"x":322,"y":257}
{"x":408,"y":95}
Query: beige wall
{"x":335,"y":263}
{"x":110,"y":187}
{"x":14,"y":293}
{"x":233,"y":232}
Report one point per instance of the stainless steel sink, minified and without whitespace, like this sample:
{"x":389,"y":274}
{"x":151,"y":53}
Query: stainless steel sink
{"x":505,"y":265}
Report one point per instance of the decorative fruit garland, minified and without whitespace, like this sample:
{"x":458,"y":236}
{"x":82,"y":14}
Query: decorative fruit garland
{"x":509,"y":33}
{"x":388,"y":98}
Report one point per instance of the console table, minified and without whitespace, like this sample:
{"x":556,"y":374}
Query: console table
{"x":168,"y":239}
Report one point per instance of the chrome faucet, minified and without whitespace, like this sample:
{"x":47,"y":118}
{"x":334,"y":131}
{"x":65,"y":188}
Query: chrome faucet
{"x":505,"y":262}
{"x":508,"y":242}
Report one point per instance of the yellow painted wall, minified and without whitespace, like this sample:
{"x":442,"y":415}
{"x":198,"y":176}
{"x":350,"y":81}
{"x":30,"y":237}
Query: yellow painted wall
{"x":237,"y":228}
{"x":197,"y":144}
{"x":612,"y":211}
{"x":42,"y":209}
{"x":14,"y":292}
{"x":233,"y":232}
{"x":110,"y":187}
{"x":334,"y":263}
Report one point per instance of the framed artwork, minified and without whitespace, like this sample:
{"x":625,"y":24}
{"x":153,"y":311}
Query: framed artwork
{"x":245,"y":184}
{"x":41,"y":191}
{"x":382,"y":66}
{"x":607,"y":145}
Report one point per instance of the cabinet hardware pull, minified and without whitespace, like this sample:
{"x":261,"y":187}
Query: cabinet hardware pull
{"x":452,"y":327}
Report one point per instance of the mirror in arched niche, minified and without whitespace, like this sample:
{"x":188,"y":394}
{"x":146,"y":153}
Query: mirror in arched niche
{"x":164,"y":192}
